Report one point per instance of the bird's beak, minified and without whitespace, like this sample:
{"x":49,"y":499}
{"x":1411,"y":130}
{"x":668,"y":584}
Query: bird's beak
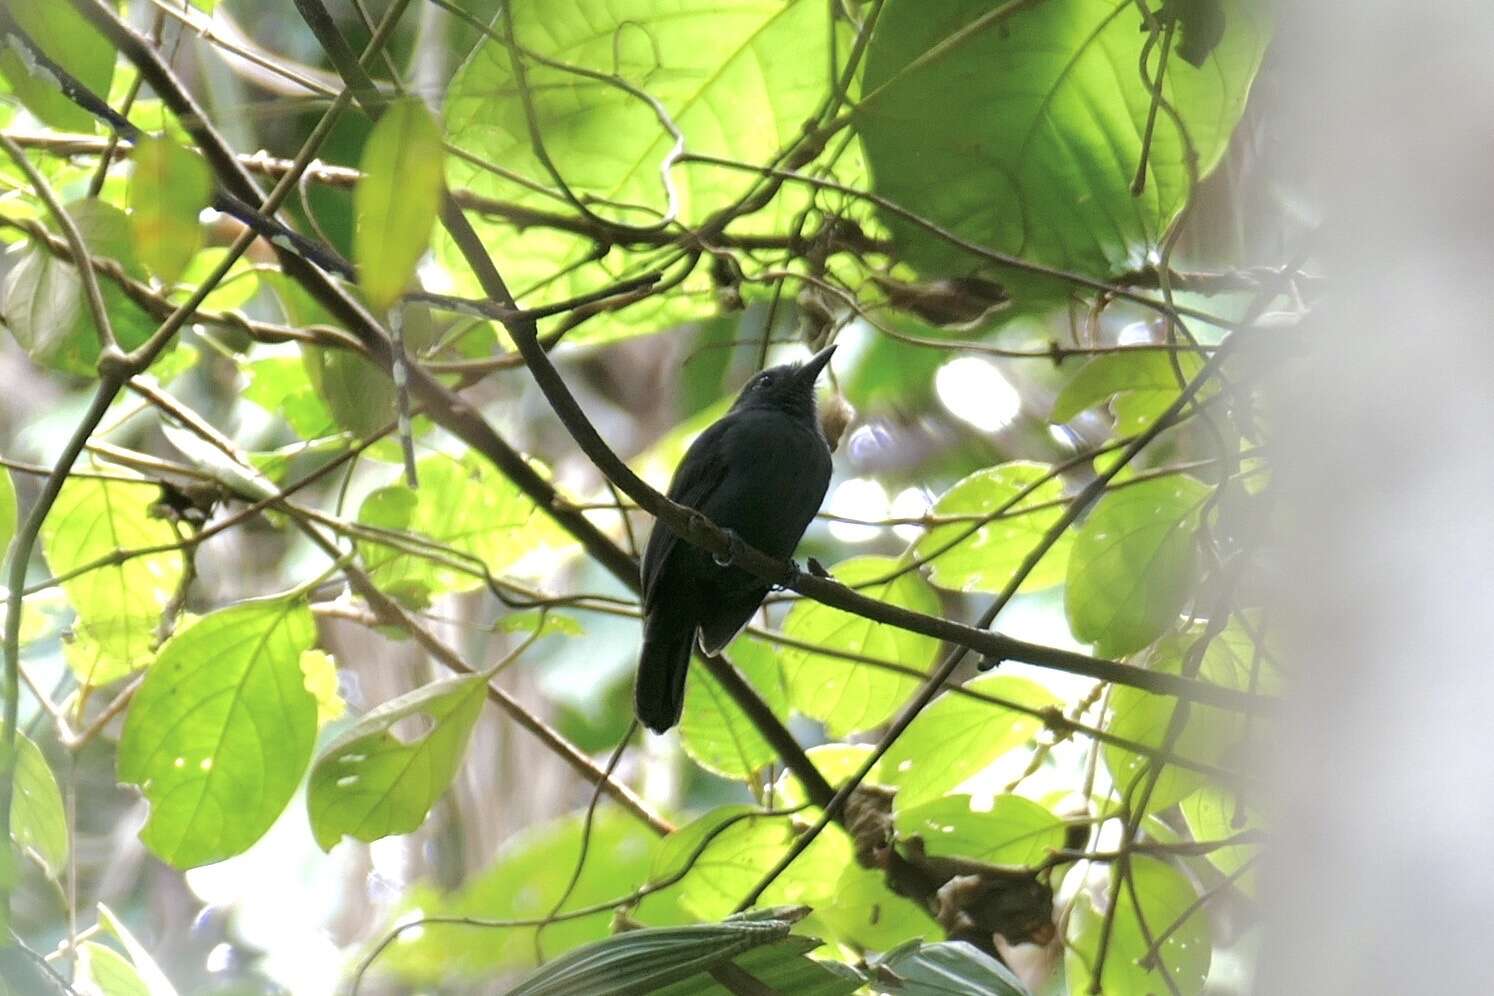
{"x":810,"y":371}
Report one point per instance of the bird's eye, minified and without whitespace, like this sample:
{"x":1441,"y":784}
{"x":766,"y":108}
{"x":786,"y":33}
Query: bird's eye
{"x":762,"y":383}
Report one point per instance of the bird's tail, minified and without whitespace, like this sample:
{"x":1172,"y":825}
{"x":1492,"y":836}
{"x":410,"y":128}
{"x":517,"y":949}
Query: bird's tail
{"x":659,"y":695}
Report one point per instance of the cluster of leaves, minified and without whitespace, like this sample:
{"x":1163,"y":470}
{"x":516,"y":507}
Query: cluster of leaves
{"x":1034,"y":152}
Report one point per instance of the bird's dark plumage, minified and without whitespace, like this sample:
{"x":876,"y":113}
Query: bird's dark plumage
{"x":760,"y":471}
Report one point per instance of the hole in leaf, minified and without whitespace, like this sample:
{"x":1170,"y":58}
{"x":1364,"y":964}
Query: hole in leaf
{"x":413,"y":729}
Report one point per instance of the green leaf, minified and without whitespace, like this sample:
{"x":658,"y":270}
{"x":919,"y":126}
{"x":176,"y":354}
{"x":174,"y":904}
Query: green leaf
{"x":1021,"y":131}
{"x":106,"y":972}
{"x":738,"y":80}
{"x":1165,"y":895}
{"x":714,"y":732}
{"x":282,"y":385}
{"x":38,"y":823}
{"x":1013,"y":831}
{"x":531,"y":872}
{"x":43,"y":300}
{"x":169,"y":188}
{"x":119,"y":606}
{"x":1133,"y":564}
{"x":943,"y":969}
{"x":221,"y":730}
{"x":9,"y":516}
{"x":70,"y":41}
{"x":369,"y":783}
{"x":740,"y":851}
{"x":1148,"y":373}
{"x":359,"y":395}
{"x":464,"y":505}
{"x":682,"y":961}
{"x":146,"y":968}
{"x":957,"y":736}
{"x":865,"y":912}
{"x":1215,"y":813}
{"x":42,"y":296}
{"x":986,"y":558}
{"x":848,"y":695}
{"x":1209,"y":735}
{"x":395,"y":203}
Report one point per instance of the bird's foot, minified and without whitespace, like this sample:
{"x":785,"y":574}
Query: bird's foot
{"x":733,"y":550}
{"x":816,"y":568}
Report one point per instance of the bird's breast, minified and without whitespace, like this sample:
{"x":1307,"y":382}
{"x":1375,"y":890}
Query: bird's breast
{"x":778,"y":471}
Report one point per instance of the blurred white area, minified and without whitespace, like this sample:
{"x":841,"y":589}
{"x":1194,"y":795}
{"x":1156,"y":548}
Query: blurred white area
{"x":977,"y":392}
{"x":1383,"y":785}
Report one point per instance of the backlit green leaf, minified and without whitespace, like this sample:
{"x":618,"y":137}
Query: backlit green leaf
{"x":1013,"y":831}
{"x":739,"y":79}
{"x":848,"y":695}
{"x":1019,"y":127}
{"x":221,"y":730}
{"x":396,"y":201}
{"x":370,"y":782}
{"x":1165,"y":895}
{"x":985,"y":557}
{"x":1133,"y":563}
{"x":958,"y":735}
{"x":169,"y":188}
{"x":1144,"y":372}
{"x":464,"y":505}
{"x":146,"y":968}
{"x":38,"y":823}
{"x":713,"y":731}
{"x":70,"y":41}
{"x":359,"y":395}
{"x":119,"y":606}
{"x":106,"y":972}
{"x":1214,"y":813}
{"x":9,"y":515}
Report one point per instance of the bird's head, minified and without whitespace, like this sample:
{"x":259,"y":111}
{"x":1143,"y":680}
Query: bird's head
{"x":788,"y":388}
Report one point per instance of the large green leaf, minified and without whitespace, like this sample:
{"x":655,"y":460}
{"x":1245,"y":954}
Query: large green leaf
{"x":716,"y":734}
{"x":38,"y":823}
{"x":686,"y":961}
{"x":119,"y":605}
{"x":1165,"y":895}
{"x":1133,"y":564}
{"x":738,"y":78}
{"x":1019,"y":127}
{"x":845,"y":694}
{"x":220,"y":732}
{"x":42,"y":296}
{"x":957,"y":735}
{"x":369,"y":783}
{"x":169,"y":188}
{"x":464,"y":505}
{"x":395,"y":203}
{"x":942,"y":970}
{"x":1013,"y":831}
{"x":985,"y":558}
{"x":530,"y":873}
{"x":71,"y":42}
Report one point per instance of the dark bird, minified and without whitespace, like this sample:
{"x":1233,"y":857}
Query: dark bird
{"x":760,"y":471}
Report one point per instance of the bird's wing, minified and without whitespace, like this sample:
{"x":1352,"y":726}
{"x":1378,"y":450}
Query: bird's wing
{"x":698,"y":475}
